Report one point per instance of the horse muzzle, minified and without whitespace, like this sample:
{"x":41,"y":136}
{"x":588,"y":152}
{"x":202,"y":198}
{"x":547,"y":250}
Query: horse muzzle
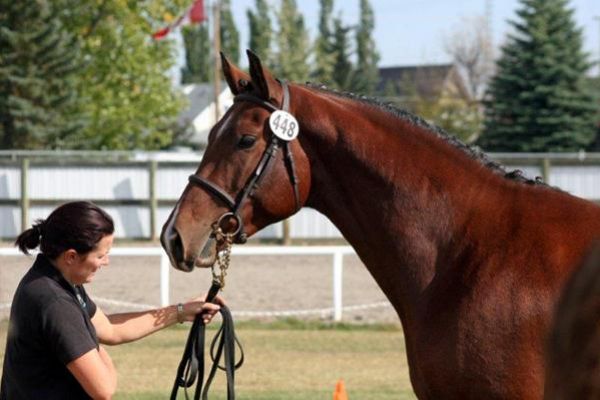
{"x":202,"y":255}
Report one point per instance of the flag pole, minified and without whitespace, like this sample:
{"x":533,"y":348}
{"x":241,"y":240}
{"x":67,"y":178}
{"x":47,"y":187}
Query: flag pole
{"x":217,"y":56}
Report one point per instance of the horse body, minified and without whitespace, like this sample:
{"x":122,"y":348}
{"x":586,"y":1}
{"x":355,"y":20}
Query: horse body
{"x":469,"y":288}
{"x":472,"y":262}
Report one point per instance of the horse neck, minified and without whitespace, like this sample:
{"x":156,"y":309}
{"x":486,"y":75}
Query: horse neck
{"x":396,"y":192}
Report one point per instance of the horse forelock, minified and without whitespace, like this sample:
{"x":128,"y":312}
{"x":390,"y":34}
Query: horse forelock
{"x":473,"y":152}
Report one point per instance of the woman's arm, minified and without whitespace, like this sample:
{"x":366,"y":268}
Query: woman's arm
{"x":127,"y":327}
{"x":96,"y":373}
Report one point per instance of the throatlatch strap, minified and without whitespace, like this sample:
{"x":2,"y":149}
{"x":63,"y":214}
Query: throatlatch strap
{"x":192,"y":361}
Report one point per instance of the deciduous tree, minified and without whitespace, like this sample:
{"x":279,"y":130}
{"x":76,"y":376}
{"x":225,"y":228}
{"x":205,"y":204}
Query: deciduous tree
{"x":230,"y":37}
{"x":292,"y":43}
{"x":324,"y":51}
{"x":342,"y":65}
{"x":366,"y":73}
{"x":198,"y":62}
{"x":260,"y":30}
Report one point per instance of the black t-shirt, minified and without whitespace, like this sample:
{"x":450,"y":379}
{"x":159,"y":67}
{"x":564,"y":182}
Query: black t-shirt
{"x":49,"y":327}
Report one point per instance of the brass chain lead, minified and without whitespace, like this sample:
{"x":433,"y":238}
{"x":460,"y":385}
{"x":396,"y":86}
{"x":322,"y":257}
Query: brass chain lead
{"x":223,"y":256}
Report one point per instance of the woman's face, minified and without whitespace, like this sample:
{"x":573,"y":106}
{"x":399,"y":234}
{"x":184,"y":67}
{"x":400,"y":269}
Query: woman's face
{"x":85,"y":266}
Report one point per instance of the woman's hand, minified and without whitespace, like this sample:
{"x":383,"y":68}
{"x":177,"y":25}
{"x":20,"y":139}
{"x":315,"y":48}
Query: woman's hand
{"x":199,"y":306}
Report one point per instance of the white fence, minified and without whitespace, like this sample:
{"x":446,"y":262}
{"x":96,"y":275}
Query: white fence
{"x":140,"y":191}
{"x":139,"y":195}
{"x":336,"y":252}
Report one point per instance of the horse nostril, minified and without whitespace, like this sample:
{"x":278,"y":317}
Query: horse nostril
{"x":176,"y":246}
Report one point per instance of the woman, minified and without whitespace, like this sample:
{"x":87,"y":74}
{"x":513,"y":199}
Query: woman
{"x":53,"y":348}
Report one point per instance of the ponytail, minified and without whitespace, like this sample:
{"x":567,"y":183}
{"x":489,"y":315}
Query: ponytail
{"x":77,"y":225}
{"x":30,"y":238}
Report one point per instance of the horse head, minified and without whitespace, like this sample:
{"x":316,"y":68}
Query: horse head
{"x":254,"y":171}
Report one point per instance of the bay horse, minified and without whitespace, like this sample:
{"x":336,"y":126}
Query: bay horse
{"x":471,"y":257}
{"x":573,"y":363}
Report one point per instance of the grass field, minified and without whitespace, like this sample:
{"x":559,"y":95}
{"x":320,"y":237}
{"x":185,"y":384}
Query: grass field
{"x":288,"y":360}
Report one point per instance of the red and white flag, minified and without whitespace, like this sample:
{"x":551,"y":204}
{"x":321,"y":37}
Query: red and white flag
{"x":194,"y":14}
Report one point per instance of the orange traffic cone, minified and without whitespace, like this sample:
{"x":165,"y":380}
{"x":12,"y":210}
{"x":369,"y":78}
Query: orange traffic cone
{"x":340,"y":391}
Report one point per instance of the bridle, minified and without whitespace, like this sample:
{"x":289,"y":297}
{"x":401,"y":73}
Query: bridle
{"x":235,"y":203}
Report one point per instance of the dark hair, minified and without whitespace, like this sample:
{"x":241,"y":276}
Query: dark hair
{"x":77,"y":225}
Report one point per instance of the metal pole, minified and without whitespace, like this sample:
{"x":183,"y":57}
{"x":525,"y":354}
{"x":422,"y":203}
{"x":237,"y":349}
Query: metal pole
{"x":337,"y":285}
{"x":217,"y":59}
{"x":24,"y":194}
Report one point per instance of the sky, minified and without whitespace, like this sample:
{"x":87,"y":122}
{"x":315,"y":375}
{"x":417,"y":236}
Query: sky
{"x":409,"y":32}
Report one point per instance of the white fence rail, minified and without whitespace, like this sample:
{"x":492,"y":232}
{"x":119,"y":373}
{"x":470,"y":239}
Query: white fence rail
{"x":336,"y":252}
{"x":140,"y":191}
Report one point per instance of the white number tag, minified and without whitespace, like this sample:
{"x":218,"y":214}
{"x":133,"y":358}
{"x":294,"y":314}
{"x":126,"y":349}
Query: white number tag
{"x":284,"y":125}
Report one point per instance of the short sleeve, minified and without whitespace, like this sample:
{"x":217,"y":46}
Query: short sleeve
{"x":65,"y":330}
{"x":91,"y":307}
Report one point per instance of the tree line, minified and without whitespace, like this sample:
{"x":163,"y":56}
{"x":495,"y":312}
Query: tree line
{"x":343,"y":56}
{"x":86,"y":74}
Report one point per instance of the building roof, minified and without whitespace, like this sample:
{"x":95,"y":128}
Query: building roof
{"x":427,"y":81}
{"x":200,"y":96}
{"x":200,"y":113}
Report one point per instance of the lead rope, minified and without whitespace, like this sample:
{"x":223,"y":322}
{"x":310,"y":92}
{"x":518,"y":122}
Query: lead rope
{"x":191,"y":365}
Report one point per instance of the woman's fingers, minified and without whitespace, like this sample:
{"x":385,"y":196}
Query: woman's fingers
{"x":198,"y":305}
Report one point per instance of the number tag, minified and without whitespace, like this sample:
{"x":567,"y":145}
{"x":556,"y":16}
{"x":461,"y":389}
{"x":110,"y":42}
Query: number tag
{"x":284,"y":125}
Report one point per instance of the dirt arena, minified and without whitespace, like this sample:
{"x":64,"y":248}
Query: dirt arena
{"x":255,"y":284}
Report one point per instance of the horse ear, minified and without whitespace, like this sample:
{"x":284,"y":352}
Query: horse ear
{"x":237,"y":79}
{"x":262,"y":79}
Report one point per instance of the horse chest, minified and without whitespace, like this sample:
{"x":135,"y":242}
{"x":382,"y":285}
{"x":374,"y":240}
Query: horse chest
{"x":462,"y":351}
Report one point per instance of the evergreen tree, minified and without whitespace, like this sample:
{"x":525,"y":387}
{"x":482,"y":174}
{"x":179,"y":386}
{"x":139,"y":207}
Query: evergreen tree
{"x":260,"y":31}
{"x":594,"y":85}
{"x":324,"y":46}
{"x":37,"y":86}
{"x":198,"y":63}
{"x":366,"y":75}
{"x":536,"y":101}
{"x":342,"y":74}
{"x":230,"y":37}
{"x":292,"y":43}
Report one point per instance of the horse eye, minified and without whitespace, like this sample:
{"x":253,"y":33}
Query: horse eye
{"x":246,"y":141}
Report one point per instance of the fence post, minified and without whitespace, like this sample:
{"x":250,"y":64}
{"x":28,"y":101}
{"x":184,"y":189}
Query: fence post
{"x":164,"y":280}
{"x":286,"y":240}
{"x":24,"y":193}
{"x":153,"y":201}
{"x":337,"y":285}
{"x":546,"y":170}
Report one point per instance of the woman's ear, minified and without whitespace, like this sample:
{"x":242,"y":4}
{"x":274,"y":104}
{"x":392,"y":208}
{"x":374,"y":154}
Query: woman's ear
{"x":70,"y":257}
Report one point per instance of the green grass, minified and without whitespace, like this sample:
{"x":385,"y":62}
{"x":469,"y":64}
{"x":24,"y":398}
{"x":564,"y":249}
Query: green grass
{"x":285,"y":359}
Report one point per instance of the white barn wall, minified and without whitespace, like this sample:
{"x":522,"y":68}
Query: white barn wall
{"x":10,"y":182}
{"x":582,"y":181}
{"x":80,"y":182}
